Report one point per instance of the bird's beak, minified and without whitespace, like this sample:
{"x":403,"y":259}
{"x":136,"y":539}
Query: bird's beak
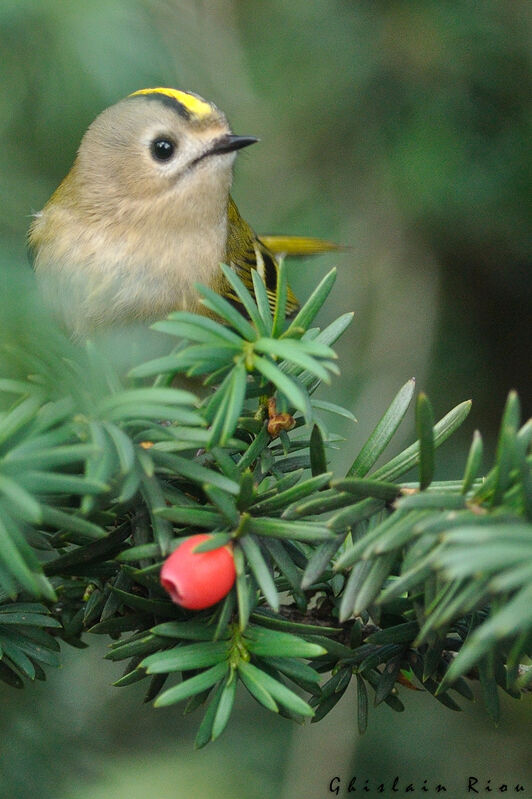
{"x":230,"y":142}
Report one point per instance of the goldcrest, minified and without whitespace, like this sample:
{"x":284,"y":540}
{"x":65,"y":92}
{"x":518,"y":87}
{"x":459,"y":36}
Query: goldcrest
{"x":145,"y":214}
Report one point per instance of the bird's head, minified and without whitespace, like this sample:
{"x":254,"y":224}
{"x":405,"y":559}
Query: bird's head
{"x":153,"y":142}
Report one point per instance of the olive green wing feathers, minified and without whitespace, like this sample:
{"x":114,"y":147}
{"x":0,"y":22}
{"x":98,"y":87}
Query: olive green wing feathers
{"x":244,"y":252}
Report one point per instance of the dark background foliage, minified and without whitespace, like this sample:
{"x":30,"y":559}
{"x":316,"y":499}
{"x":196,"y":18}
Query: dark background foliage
{"x":400,"y":129}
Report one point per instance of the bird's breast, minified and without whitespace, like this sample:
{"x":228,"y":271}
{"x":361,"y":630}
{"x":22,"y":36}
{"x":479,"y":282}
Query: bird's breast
{"x":101,"y":272}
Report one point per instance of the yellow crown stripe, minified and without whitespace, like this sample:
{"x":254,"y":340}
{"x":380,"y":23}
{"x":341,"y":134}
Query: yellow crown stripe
{"x":191,"y":102}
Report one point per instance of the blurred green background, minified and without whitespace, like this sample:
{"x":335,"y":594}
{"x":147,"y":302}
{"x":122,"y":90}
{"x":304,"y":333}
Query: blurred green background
{"x":401,"y":129}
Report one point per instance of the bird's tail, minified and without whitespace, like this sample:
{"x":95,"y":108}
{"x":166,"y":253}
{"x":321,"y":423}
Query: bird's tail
{"x":301,"y":246}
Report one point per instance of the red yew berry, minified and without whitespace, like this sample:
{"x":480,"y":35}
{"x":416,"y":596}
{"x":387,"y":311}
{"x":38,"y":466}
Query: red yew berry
{"x":197,"y":580}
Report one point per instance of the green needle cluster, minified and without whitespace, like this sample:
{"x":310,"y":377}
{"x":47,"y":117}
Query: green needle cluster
{"x":365,"y":577}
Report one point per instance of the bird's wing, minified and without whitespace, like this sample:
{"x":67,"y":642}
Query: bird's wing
{"x":244,"y":252}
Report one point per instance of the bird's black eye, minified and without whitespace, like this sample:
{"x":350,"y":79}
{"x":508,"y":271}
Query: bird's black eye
{"x":162,"y":149}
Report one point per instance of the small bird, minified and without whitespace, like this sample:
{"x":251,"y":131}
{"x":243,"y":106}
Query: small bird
{"x":145,"y":214}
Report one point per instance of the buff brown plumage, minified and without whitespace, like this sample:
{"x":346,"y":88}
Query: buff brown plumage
{"x":145,"y":214}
